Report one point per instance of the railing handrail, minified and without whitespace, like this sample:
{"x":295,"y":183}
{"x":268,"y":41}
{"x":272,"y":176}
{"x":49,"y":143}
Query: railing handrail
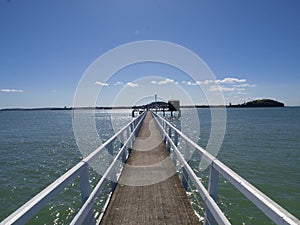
{"x":270,"y":208}
{"x":34,"y":205}
{"x":209,"y":201}
{"x":87,"y":206}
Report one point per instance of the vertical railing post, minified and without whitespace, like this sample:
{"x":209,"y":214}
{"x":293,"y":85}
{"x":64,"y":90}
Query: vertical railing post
{"x":186,"y":155}
{"x":132,"y":140}
{"x":113,"y":175}
{"x":128,"y":135}
{"x":127,"y":147}
{"x":176,"y":138}
{"x":128,"y":132}
{"x":122,"y":139}
{"x":124,"y":156}
{"x":132,"y":126}
{"x":213,"y":191}
{"x":184,"y":178}
{"x":169,"y":134}
{"x":85,"y":193}
{"x":130,"y":143}
{"x":162,"y":133}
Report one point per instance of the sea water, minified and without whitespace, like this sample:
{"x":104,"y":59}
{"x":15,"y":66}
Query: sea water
{"x":260,"y":144}
{"x":263,"y":146}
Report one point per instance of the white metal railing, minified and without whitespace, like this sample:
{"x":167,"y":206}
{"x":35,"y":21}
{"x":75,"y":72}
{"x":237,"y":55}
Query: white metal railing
{"x":86,"y":213}
{"x":213,"y":213}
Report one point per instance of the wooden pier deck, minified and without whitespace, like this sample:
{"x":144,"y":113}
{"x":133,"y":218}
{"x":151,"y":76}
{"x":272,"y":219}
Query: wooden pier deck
{"x":149,"y":190}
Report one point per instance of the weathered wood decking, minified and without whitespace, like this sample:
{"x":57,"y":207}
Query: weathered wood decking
{"x":149,"y":190}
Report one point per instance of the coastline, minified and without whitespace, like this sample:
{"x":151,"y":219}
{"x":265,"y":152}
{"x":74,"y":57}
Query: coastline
{"x":130,"y":107}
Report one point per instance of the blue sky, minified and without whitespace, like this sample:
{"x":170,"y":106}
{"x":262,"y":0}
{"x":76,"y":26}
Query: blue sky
{"x":253,"y":47}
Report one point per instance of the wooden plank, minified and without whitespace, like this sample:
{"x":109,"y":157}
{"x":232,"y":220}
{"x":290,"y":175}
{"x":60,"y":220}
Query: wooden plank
{"x":149,"y":191}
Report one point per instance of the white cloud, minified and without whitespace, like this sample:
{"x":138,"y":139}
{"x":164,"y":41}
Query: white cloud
{"x":166,"y":81}
{"x":192,"y":83}
{"x":230,"y":80}
{"x":221,"y":88}
{"x":101,"y":83}
{"x":244,"y":85}
{"x":119,"y":83}
{"x":189,"y":83}
{"x":227,"y":80}
{"x":11,"y":90}
{"x":130,"y":84}
{"x":206,"y":82}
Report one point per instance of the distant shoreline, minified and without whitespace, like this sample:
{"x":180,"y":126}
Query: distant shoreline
{"x":161,"y":105}
{"x":125,"y":107}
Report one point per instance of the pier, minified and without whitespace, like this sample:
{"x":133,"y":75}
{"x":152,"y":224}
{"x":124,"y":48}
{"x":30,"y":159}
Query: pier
{"x":163,"y":202}
{"x":147,"y":175}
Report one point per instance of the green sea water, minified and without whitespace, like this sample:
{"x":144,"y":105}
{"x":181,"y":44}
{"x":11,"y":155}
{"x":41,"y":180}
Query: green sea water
{"x":260,"y":144}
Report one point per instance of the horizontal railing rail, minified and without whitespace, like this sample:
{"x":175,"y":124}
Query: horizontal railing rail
{"x":86,"y":213}
{"x":213,"y":213}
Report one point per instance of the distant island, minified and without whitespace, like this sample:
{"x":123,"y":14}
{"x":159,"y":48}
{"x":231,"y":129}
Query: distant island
{"x":260,"y":103}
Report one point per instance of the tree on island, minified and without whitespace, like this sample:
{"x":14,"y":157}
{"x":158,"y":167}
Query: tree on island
{"x":260,"y":103}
